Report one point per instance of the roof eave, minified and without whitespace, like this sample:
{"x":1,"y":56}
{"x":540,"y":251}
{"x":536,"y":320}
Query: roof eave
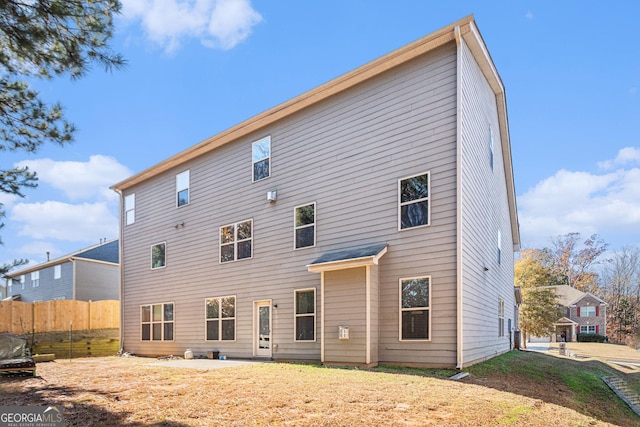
{"x":311,"y":97}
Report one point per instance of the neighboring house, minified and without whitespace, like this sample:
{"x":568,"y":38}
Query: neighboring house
{"x":90,"y":274}
{"x":585,"y":313}
{"x":372,"y":219}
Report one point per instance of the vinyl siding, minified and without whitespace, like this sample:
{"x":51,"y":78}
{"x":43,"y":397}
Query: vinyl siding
{"x":346,"y":154}
{"x":49,"y":288}
{"x":96,"y":281}
{"x":484,"y":211}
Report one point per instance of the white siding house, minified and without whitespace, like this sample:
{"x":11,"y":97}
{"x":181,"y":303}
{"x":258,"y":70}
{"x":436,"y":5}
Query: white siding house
{"x":370,"y":220}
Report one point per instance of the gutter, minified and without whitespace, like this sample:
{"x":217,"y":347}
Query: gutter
{"x":121,"y":275}
{"x":459,"y":281}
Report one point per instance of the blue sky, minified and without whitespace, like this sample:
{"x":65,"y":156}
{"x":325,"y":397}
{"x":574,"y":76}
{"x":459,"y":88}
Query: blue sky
{"x":571,"y":71}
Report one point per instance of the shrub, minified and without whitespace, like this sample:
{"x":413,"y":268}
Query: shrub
{"x":590,"y":338}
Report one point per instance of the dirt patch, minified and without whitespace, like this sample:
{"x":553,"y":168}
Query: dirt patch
{"x":128,"y":391}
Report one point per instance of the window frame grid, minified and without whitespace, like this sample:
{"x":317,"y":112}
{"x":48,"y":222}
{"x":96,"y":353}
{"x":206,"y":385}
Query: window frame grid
{"x":235,"y":241}
{"x":35,"y":279}
{"x":57,"y":272}
{"x":402,"y":310}
{"x":501,"y":331}
{"x":427,"y":199}
{"x":220,"y":318}
{"x":314,"y":225}
{"x":162,"y":322}
{"x":296,"y":315}
{"x":129,"y":209}
{"x":253,"y":162}
{"x":180,"y":189}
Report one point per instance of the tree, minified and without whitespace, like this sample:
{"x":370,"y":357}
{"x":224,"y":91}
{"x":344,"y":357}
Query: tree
{"x":574,"y":264}
{"x":43,"y":39}
{"x":540,"y":308}
{"x":620,"y":283}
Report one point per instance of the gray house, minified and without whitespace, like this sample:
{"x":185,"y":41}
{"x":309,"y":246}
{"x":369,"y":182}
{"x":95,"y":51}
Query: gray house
{"x":90,"y":274}
{"x":370,"y":220}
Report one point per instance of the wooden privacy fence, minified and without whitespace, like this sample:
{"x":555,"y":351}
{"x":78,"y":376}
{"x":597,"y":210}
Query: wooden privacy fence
{"x":19,"y":317}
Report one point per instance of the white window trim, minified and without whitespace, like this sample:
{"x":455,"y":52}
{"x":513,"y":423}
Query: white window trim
{"x":9,"y":286}
{"x":582,"y":311}
{"x":253,"y":162}
{"x":501,"y":317}
{"x":587,"y":327}
{"x":57,"y":272}
{"x":235,"y":319}
{"x":130,"y":209}
{"x":35,"y":279}
{"x":492,"y":156}
{"x":22,"y":280}
{"x":315,"y":228}
{"x":188,"y":188}
{"x":162,"y":322}
{"x":151,"y":256}
{"x":296,"y":315}
{"x":499,"y":247}
{"x":413,"y":309}
{"x":235,"y":241}
{"x":428,"y":199}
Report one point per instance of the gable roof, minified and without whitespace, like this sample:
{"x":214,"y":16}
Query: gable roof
{"x":102,"y":252}
{"x":464,"y":28}
{"x":566,"y":294}
{"x":585,"y":295}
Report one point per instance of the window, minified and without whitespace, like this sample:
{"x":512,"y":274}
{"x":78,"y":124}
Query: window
{"x":35,"y":279}
{"x":591,"y":329}
{"x":415,"y":313}
{"x":57,"y":272}
{"x":414,"y":201}
{"x":499,"y":246}
{"x":220,"y":315}
{"x":500,"y":317}
{"x":158,"y":255}
{"x":236,"y":241}
{"x":305,"y":315}
{"x":261,"y":153}
{"x":22,"y":282}
{"x":182,"y":188}
{"x":589,"y":311}
{"x":157,"y":322}
{"x":130,"y":209}
{"x":9,"y":286}
{"x":305,"y":225}
{"x":491,"y":147}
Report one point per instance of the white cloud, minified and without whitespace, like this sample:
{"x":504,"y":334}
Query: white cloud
{"x":86,"y":222}
{"x":217,"y":23}
{"x":581,"y":202}
{"x":81,"y":180}
{"x":627,"y":155}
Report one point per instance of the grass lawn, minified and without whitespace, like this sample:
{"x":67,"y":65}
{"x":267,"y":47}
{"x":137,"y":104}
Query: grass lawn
{"x":518,"y":388}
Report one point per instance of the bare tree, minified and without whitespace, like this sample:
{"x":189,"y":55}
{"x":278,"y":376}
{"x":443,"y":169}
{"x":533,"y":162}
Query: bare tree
{"x":573,"y":260}
{"x":620,"y":283}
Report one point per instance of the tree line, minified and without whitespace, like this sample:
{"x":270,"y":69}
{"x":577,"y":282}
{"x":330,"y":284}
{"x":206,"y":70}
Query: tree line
{"x":583,"y":264}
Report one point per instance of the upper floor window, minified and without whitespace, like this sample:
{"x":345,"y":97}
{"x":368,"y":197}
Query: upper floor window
{"x":22,"y":282}
{"x":236,"y":241}
{"x":130,"y":208}
{"x":415,"y":308}
{"x":57,"y":272}
{"x":305,"y":225}
{"x":500,"y":317}
{"x":305,"y":315}
{"x":35,"y":279}
{"x":414,"y":201}
{"x":182,"y":188}
{"x":157,"y":322}
{"x":9,"y":286}
{"x":499,"y":246}
{"x":491,"y":147}
{"x":588,"y":311}
{"x":220,"y":316}
{"x":158,"y":255}
{"x":261,"y":155}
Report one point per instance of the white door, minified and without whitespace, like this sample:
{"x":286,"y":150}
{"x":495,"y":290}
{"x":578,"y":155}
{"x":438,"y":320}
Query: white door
{"x":262,"y":316}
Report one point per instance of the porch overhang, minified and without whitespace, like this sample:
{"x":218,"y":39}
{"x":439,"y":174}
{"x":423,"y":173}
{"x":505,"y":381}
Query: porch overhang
{"x":566,"y":322}
{"x":348,"y":258}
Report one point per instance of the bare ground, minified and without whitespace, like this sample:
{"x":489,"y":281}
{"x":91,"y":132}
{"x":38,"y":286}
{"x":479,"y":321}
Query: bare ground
{"x":116,"y":391}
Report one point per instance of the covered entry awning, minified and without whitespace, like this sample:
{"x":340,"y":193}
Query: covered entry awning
{"x":348,"y":258}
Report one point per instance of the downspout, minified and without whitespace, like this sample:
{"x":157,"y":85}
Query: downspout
{"x":120,"y":252}
{"x":459,"y":295}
